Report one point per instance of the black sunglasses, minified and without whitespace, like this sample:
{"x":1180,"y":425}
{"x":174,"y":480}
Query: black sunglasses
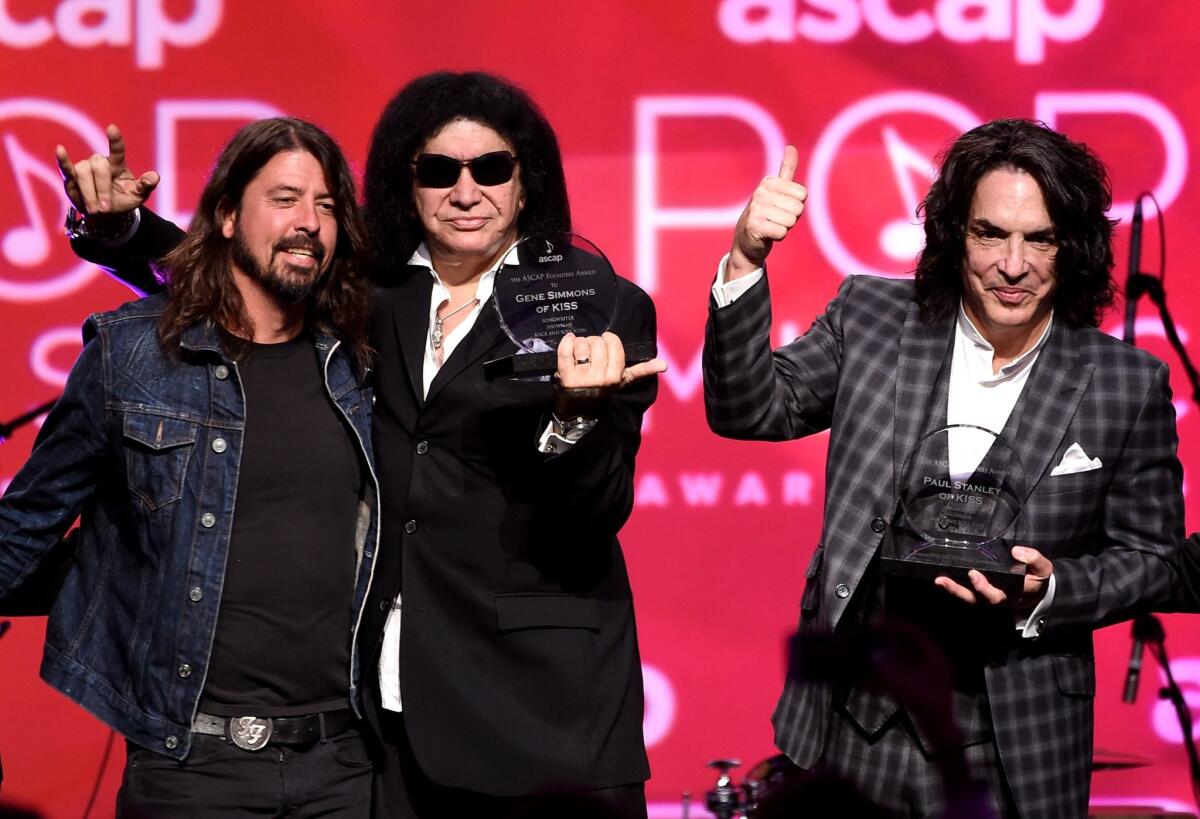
{"x":441,"y":171}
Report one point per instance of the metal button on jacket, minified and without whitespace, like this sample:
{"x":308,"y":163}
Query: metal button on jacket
{"x":842,"y":591}
{"x":196,"y":595}
{"x":219,"y":445}
{"x":878,"y":525}
{"x":410,"y":526}
{"x":422,"y":447}
{"x":221,"y":372}
{"x":208,"y":520}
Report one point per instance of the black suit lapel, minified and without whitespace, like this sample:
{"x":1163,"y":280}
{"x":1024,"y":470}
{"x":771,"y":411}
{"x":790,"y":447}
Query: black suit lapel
{"x":410,"y":309}
{"x":485,"y":336}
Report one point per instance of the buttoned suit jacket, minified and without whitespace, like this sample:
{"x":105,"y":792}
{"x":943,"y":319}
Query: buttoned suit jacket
{"x":519,"y":664}
{"x":866,"y":371}
{"x":519,"y":667}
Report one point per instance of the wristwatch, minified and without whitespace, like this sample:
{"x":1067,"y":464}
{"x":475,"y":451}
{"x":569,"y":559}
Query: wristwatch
{"x":573,"y":428}
{"x":107,"y":228}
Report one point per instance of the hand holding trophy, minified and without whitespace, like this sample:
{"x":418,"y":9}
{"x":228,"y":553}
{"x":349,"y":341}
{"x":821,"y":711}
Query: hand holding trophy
{"x":963,"y":487}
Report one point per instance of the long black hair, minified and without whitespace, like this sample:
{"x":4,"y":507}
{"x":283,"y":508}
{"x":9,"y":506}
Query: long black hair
{"x":421,"y":109}
{"x":1075,"y":187}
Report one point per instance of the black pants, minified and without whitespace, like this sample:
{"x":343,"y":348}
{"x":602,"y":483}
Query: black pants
{"x":330,"y":778}
{"x":402,"y":791}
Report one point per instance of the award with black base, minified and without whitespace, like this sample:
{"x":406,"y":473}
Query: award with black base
{"x":962,"y":488}
{"x":556,"y":284}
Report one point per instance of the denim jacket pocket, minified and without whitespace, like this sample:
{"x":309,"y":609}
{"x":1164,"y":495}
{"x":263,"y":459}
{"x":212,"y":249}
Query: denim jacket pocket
{"x":157,"y":451}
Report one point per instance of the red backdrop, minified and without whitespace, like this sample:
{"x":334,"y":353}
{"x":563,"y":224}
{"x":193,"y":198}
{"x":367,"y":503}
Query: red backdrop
{"x":668,"y":114}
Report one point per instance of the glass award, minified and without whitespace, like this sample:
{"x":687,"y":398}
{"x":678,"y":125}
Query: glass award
{"x":962,"y":488}
{"x":550,"y":285}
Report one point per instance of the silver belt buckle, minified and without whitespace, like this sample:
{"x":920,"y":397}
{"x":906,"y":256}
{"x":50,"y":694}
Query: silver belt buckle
{"x":250,"y":733}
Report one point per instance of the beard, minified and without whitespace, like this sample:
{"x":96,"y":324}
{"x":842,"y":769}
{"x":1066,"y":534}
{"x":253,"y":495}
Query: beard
{"x":289,"y":283}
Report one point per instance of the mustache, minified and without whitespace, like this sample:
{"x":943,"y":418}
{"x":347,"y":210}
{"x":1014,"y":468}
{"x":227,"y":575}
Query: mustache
{"x":300,"y":243}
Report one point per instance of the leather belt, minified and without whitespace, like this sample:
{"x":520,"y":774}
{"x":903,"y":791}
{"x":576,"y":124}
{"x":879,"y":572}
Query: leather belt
{"x":255,"y":733}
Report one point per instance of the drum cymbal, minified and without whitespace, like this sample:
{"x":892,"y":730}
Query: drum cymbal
{"x":1106,"y":759}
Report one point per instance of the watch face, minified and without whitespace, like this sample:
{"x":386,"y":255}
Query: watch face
{"x":575,"y":428}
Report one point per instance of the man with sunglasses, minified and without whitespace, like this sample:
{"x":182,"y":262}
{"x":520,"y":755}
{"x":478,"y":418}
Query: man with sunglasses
{"x":513,"y":673}
{"x":441,"y":171}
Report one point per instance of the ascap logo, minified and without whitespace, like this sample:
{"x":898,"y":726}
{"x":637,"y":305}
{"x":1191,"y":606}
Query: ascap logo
{"x":548,"y":254}
{"x":1029,"y":24}
{"x":142,"y":23}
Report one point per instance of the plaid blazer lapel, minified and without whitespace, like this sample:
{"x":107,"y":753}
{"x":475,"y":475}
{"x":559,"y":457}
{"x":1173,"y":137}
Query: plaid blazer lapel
{"x":1048,"y":403}
{"x":924,"y":350}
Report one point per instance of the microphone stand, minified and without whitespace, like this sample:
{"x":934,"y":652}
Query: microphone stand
{"x":6,"y":431}
{"x":1147,"y":627}
{"x":7,"y":428}
{"x":1141,"y":284}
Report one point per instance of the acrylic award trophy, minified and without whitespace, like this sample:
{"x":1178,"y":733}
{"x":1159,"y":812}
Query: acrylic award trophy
{"x":556,"y":284}
{"x":962,"y":488}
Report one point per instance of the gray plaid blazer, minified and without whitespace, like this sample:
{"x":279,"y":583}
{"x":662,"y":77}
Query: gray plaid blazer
{"x":866,"y":371}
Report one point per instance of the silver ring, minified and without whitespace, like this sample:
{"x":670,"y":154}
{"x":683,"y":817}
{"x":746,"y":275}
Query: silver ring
{"x":580,"y":361}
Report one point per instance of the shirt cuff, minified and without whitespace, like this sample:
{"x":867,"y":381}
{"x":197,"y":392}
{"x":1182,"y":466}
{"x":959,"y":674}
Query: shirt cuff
{"x":550,"y":442}
{"x":1031,"y":626}
{"x":726,"y":293}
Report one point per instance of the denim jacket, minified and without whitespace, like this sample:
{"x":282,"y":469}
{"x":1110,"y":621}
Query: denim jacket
{"x":147,"y":448}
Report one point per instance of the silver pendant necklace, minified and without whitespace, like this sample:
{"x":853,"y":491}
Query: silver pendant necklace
{"x":436,"y":336}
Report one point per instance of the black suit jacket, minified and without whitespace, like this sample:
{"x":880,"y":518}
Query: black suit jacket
{"x":518,"y":654}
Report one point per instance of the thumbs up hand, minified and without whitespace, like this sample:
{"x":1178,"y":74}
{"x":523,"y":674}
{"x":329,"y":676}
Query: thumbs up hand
{"x":774,"y":208}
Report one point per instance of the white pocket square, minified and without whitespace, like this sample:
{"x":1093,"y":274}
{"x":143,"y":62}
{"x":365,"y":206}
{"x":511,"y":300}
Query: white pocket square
{"x":1075,"y":460}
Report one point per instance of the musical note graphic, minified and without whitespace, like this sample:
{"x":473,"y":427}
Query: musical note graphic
{"x":898,"y":239}
{"x":29,"y":244}
{"x":902,"y":238}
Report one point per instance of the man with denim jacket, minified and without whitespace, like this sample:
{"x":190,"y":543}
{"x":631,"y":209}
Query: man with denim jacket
{"x":215,"y":441}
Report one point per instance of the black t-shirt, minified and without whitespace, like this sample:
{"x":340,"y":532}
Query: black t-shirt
{"x":282,"y":644}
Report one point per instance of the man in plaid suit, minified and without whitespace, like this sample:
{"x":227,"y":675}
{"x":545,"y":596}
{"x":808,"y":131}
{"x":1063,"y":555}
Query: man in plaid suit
{"x":998,"y":330}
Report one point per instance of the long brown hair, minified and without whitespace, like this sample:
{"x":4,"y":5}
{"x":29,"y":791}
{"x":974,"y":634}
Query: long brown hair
{"x":200,"y":285}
